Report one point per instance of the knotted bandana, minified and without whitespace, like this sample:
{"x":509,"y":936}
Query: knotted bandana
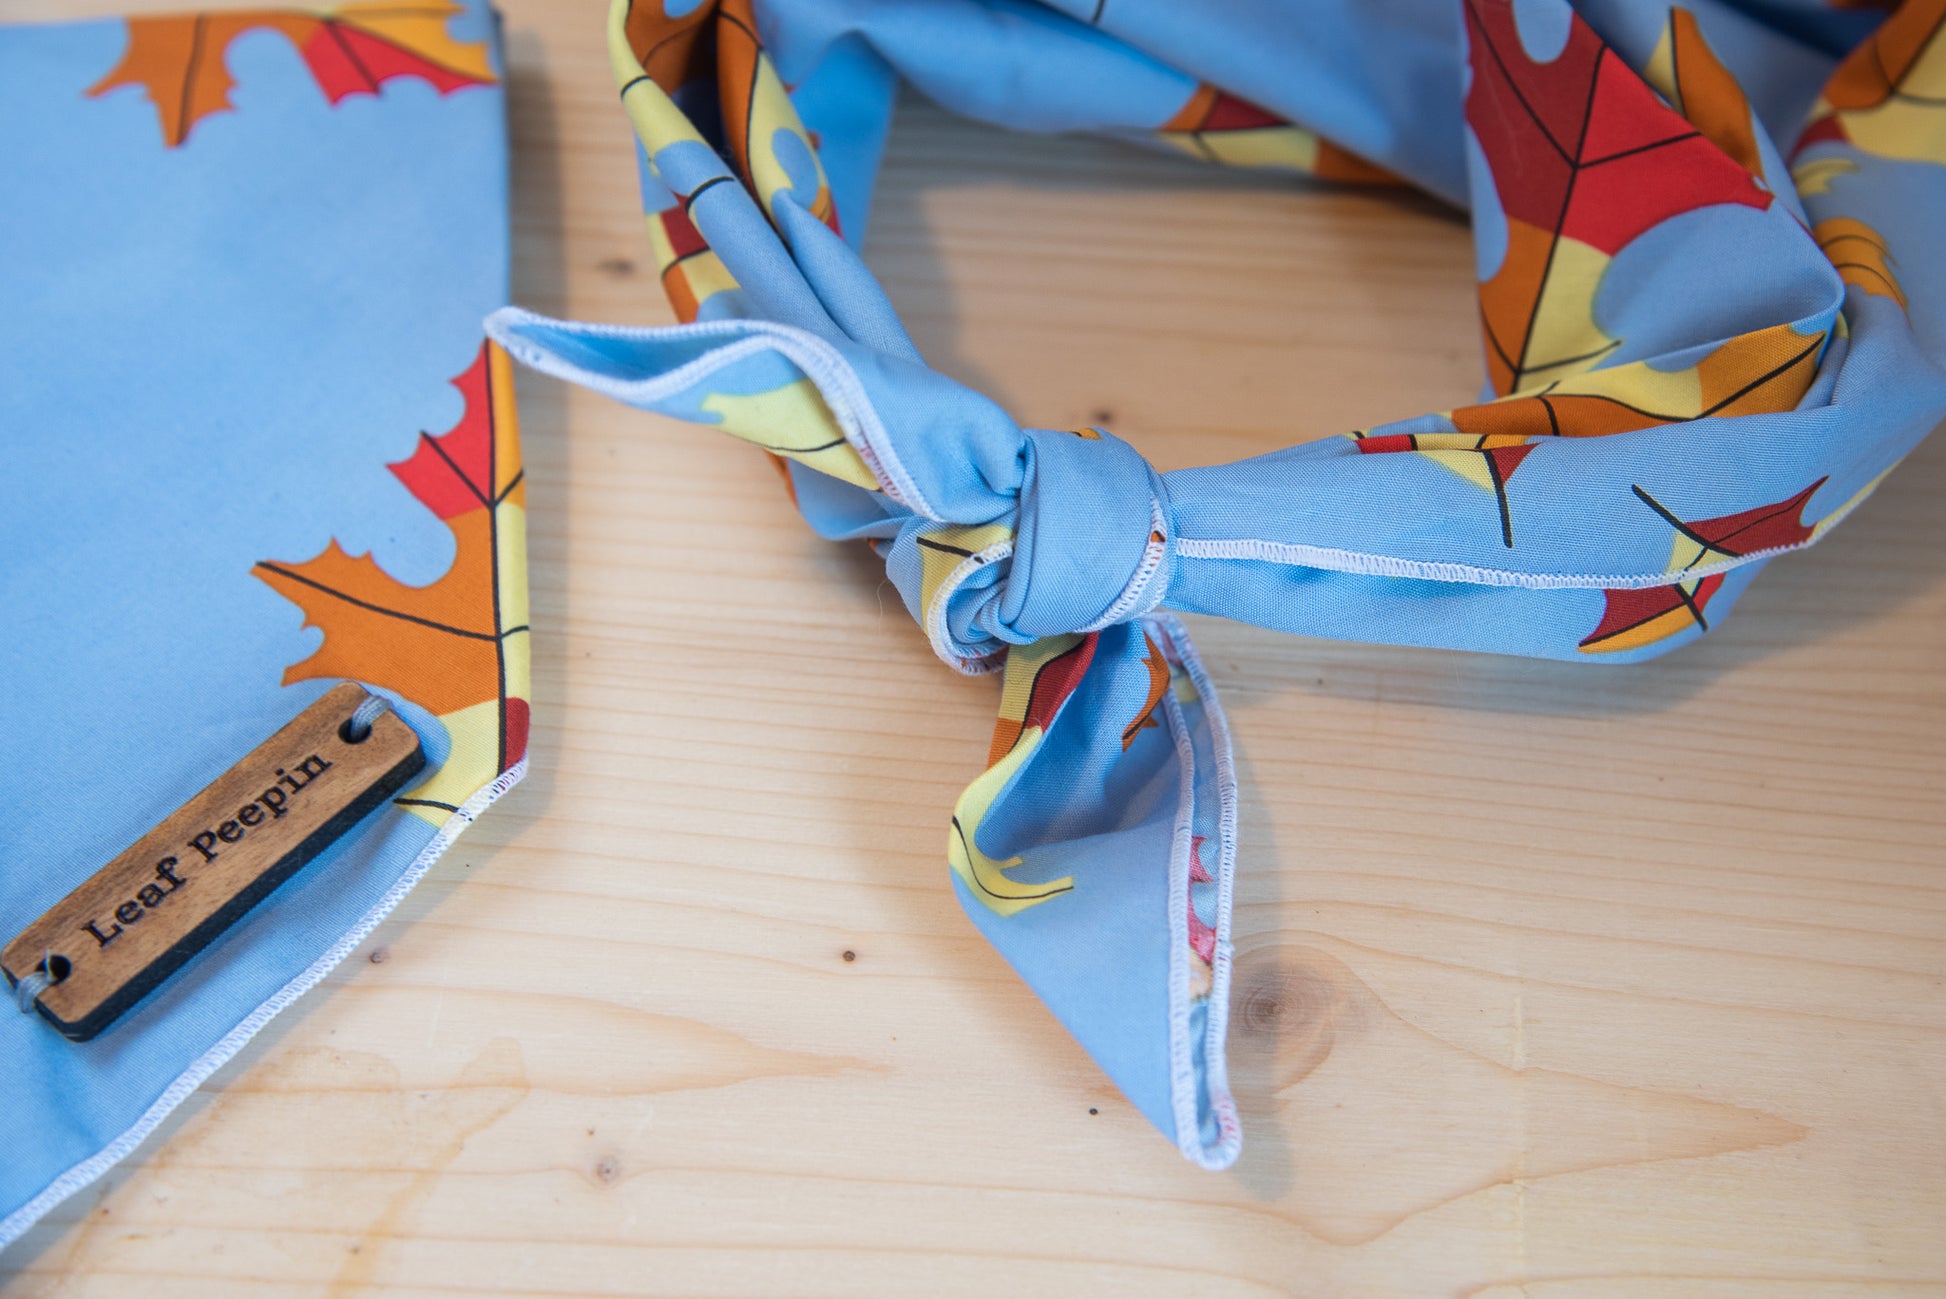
{"x":1709,"y":278}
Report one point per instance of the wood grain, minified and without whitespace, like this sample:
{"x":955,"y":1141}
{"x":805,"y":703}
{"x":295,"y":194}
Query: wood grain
{"x":1555,"y":980}
{"x":145,"y":913}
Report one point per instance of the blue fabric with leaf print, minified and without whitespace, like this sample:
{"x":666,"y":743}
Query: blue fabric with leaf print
{"x":1711,"y":319}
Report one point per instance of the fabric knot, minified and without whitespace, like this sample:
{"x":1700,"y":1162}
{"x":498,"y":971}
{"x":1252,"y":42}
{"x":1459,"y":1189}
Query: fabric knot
{"x":1088,"y":544}
{"x":1094,"y":536}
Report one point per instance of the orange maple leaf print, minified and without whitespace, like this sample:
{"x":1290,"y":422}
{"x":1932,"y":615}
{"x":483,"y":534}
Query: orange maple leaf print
{"x":350,"y":49}
{"x":457,"y":647}
{"x":1689,"y":75}
{"x":1861,"y":256}
{"x":1158,"y":682}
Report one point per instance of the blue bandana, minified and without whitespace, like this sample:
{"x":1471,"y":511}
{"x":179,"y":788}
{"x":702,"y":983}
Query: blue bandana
{"x":1711,"y":319}
{"x":255,"y":444}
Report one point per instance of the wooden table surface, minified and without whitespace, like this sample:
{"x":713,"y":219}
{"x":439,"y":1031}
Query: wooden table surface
{"x":1555,"y":981}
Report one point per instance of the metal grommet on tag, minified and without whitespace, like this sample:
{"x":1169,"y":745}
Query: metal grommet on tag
{"x":140,"y":918}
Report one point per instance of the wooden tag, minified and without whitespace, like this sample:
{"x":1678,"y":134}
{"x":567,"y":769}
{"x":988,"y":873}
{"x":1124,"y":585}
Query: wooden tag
{"x":138,"y":919}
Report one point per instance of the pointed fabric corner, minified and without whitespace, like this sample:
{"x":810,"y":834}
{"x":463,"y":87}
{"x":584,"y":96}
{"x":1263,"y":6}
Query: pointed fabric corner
{"x":1696,"y":361}
{"x":1103,"y":872}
